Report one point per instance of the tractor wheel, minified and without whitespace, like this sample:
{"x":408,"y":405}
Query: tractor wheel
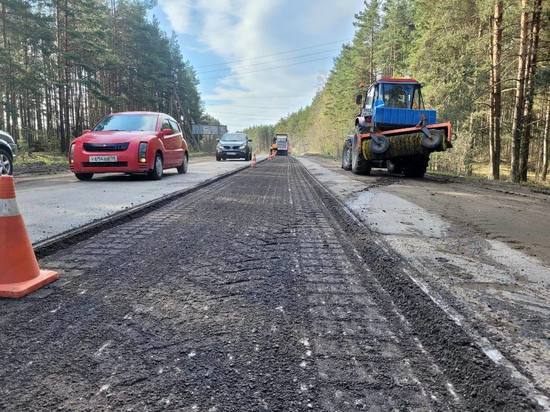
{"x":359,"y":165}
{"x":394,"y":167}
{"x":416,"y":167}
{"x":346,"y":157}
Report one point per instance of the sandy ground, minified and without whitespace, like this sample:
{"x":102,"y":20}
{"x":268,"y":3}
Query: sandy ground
{"x":487,"y":250}
{"x":520,"y":219}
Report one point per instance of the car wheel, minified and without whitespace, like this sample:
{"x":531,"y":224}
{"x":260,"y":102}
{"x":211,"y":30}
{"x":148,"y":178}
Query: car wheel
{"x":156,"y":173}
{"x":85,"y":177}
{"x":6,"y":163}
{"x":184,"y":165}
{"x":218,"y":158}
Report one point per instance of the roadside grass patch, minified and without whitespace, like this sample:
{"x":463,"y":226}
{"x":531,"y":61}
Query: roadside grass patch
{"x":40,"y":163}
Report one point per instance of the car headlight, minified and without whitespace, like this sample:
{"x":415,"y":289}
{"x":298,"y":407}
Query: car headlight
{"x":142,"y":152}
{"x":71,"y":154}
{"x":242,"y":147}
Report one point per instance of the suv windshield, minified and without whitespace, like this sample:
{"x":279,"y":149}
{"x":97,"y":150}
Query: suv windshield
{"x":233,"y":137}
{"x":128,"y":123}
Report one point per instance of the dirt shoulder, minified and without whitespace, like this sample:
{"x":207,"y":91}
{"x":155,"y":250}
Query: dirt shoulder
{"x":520,"y":220}
{"x":516,"y":215}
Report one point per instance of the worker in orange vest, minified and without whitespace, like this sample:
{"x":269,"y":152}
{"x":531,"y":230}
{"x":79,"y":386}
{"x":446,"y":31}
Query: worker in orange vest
{"x":274,"y":147}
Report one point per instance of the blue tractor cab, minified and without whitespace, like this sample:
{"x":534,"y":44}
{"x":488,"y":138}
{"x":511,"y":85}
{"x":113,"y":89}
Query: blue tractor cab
{"x":393,"y":104}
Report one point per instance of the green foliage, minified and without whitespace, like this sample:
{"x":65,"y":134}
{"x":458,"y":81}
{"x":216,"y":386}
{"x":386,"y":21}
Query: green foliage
{"x":446,"y":46}
{"x":66,"y":63}
{"x":261,"y":136}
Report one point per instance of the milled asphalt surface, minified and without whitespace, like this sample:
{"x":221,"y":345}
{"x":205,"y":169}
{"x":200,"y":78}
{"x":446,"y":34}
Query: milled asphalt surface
{"x":53,"y":204}
{"x":258,"y":292}
{"x":480,"y":247}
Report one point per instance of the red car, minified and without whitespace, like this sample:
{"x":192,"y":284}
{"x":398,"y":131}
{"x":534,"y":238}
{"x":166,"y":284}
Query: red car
{"x":131,"y":142}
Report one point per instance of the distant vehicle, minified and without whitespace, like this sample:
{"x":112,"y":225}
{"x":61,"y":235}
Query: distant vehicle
{"x":282,"y":144}
{"x":234,"y":146}
{"x":8,"y":151}
{"x":394,"y":130}
{"x":130,"y":142}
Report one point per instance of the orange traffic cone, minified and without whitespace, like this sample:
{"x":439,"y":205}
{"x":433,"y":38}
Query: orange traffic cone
{"x":254,"y":160}
{"x":19,"y":271}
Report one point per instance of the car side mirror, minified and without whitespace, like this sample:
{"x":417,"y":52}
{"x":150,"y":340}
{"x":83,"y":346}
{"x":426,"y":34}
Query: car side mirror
{"x":249,"y":140}
{"x":358,"y":99}
{"x":167,"y":132}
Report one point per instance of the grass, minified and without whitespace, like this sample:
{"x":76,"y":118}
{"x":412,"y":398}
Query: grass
{"x":481,"y":172}
{"x":45,"y":158}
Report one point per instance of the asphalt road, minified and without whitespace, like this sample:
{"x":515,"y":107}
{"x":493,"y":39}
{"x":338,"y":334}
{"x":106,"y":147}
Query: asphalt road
{"x":53,"y":204}
{"x":258,"y":292}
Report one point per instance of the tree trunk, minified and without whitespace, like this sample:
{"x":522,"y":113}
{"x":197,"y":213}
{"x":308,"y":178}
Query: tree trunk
{"x":545,"y":142}
{"x":530,"y":72}
{"x":66,"y":75}
{"x":517,"y":122}
{"x":60,"y":89}
{"x":496,"y":105}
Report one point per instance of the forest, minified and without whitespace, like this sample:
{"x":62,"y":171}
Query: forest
{"x":66,"y":63}
{"x":484,"y":67}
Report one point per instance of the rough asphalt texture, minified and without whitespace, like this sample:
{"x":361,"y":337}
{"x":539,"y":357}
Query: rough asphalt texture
{"x":53,"y":204}
{"x":255,"y":293}
{"x":449,"y":232}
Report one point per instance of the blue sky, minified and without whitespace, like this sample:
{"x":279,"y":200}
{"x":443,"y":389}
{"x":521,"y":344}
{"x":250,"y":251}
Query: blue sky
{"x":258,"y":60}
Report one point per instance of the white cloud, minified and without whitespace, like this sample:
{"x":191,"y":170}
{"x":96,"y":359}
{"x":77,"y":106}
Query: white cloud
{"x":178,"y":13}
{"x":260,"y":88}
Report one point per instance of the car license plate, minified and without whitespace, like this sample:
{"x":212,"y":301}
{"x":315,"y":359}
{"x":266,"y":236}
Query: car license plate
{"x":230,"y":153}
{"x":102,"y":159}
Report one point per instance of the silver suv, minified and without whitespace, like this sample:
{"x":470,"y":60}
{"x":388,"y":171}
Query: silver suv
{"x":8,"y":150}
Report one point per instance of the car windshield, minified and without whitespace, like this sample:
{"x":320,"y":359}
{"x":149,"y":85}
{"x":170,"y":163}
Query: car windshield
{"x":128,"y":123}
{"x":233,"y":137}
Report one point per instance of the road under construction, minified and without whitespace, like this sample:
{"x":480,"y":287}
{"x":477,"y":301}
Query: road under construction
{"x":261,"y":290}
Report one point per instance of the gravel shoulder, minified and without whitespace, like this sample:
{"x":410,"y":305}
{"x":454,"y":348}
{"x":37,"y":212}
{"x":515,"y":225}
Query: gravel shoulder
{"x":484,"y":250}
